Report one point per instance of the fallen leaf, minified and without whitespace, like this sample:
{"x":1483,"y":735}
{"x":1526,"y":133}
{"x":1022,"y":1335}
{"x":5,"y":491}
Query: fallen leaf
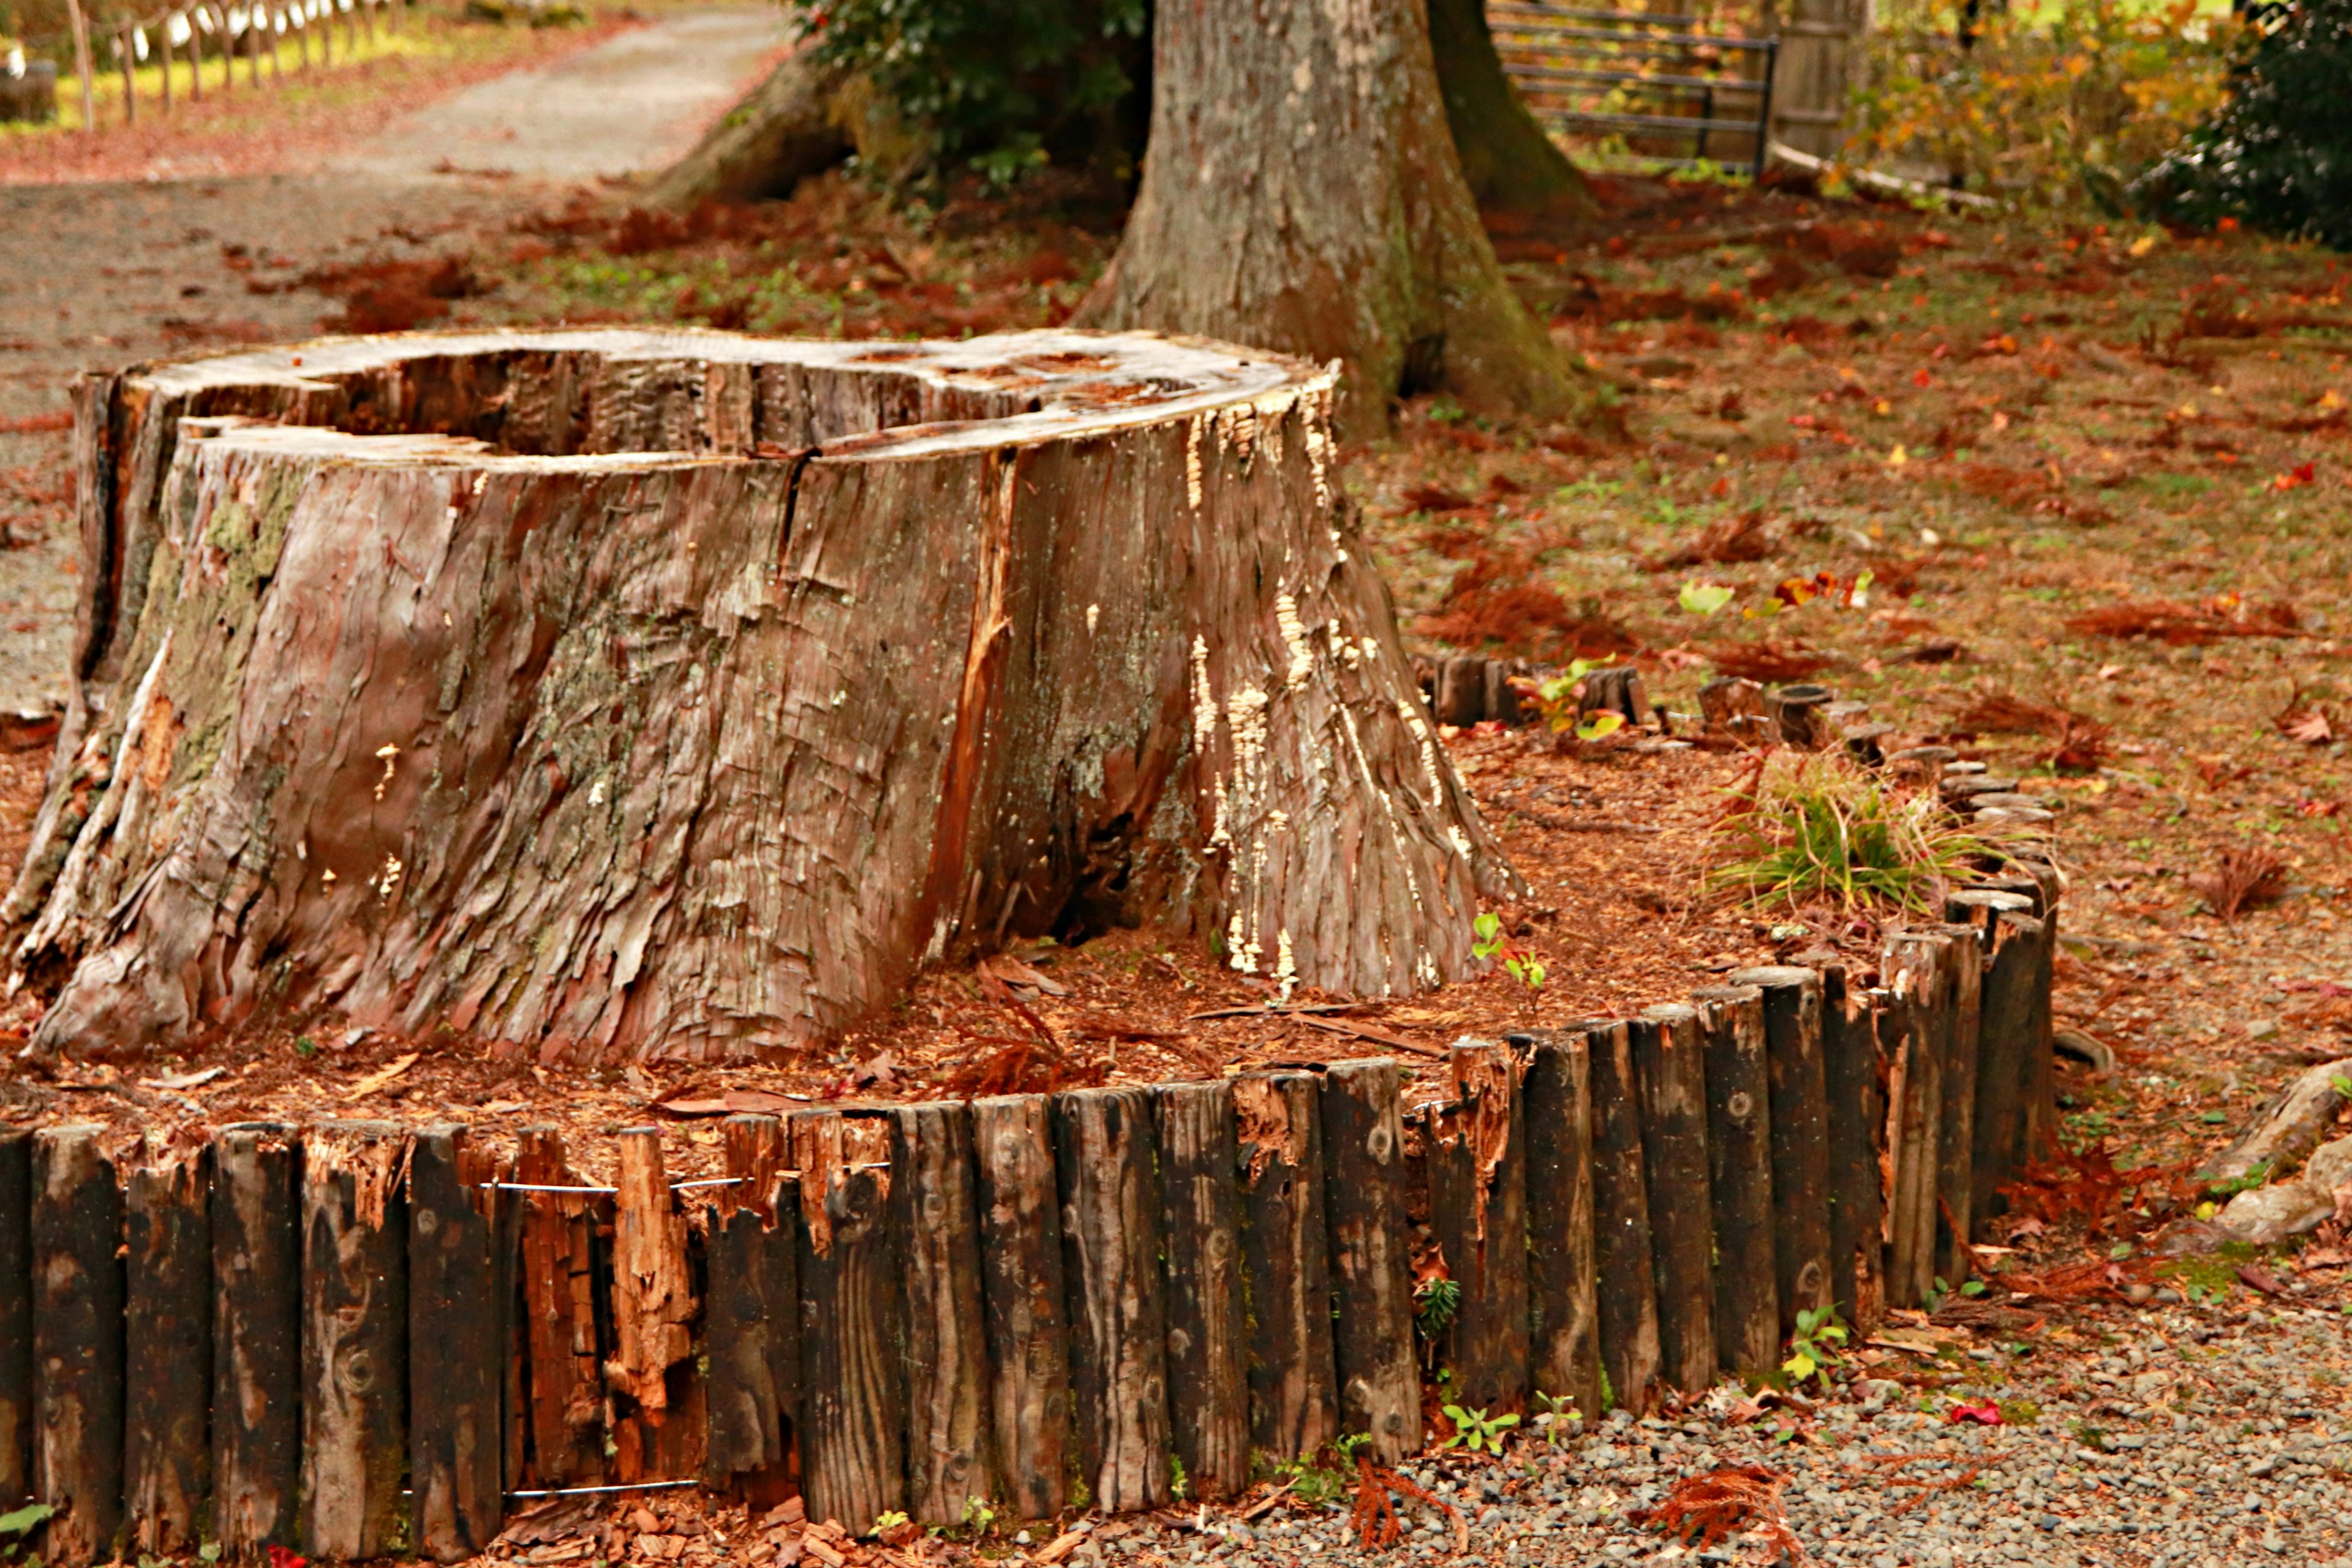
{"x":2313,"y":729}
{"x":2259,"y":1278}
{"x":1983,"y":1412}
{"x":186,"y":1079}
{"x":378,"y":1078}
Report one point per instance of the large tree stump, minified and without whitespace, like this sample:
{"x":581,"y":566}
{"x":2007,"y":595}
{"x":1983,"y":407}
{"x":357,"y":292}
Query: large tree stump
{"x":606,"y":692}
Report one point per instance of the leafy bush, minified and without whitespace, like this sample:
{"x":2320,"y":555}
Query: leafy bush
{"x":2278,"y":154}
{"x":2051,"y":106}
{"x":1002,"y":86}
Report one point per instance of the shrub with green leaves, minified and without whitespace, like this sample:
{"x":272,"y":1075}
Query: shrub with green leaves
{"x":1000,"y":86}
{"x":2277,"y":154}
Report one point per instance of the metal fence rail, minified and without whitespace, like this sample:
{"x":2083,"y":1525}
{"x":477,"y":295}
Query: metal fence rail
{"x":1661,"y":76}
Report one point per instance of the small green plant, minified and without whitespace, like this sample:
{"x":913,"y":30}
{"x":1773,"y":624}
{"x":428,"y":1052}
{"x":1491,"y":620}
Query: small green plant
{"x":2341,"y":1085}
{"x":1816,"y":1343}
{"x":1434,"y":1302}
{"x":1818,"y":829}
{"x":16,"y":1526}
{"x":1179,"y":1487}
{"x":1557,"y":1418}
{"x":978,"y":1516}
{"x":1519,"y":964}
{"x":888,"y":1520}
{"x":1324,"y":1478}
{"x":1477,"y":1431}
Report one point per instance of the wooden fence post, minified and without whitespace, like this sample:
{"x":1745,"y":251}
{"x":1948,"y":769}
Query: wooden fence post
{"x":1740,"y":1164}
{"x":83,"y":67}
{"x":167,"y":1351}
{"x":1963,"y":958}
{"x":1208,"y":1316}
{"x":558,"y":1253}
{"x":1564,"y":1353}
{"x":126,"y":39}
{"x":256,"y":1337}
{"x":164,"y":48}
{"x":1908,"y":1035}
{"x":2006,"y":1037}
{"x":460,"y":1338}
{"x":1028,"y":1328}
{"x":932,"y":1183}
{"x":1371,"y":1263}
{"x":1851,"y":1069}
{"x":853,"y":1381}
{"x":354,"y":1337}
{"x":1620,"y":1221}
{"x":751,"y":1309}
{"x":196,"y":56}
{"x":1670,"y":1066}
{"x":1286,"y":1250}
{"x":1478,"y":1214}
{"x":78,"y":1344}
{"x":1801,"y":1147}
{"x":661,"y":1425}
{"x":1107,"y":1165}
{"x":15,"y":1317}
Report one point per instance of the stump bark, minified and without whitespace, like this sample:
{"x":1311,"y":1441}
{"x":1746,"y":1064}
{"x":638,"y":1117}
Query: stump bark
{"x":609,"y":693}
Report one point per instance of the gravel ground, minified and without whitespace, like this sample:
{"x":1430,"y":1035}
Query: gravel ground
{"x":2170,"y":1437}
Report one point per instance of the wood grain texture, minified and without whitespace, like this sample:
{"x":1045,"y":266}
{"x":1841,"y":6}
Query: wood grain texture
{"x":853,"y":1376}
{"x":1371,"y":1260}
{"x":16,"y":1316}
{"x":1739,"y":1165}
{"x":1477,"y":1202}
{"x":355,"y":1339}
{"x":1801,"y":1137}
{"x":1564,"y":1350}
{"x":1208,"y":1313}
{"x":1629,"y":1350}
{"x":460,"y":1336}
{"x":653,"y":1299}
{"x":1022,"y":1290}
{"x":1108,"y":1168}
{"x":1294,"y":1391}
{"x":1854,"y":1073}
{"x":77,"y":1235}
{"x":933,"y":1189}
{"x":1956,"y":1137}
{"x":1905,"y":1018}
{"x":1670,"y":1066}
{"x":559,"y":1266}
{"x":256,"y":1337}
{"x":167,"y":1351}
{"x":585,"y":583}
{"x":2007,"y":1039}
{"x":749,"y":1306}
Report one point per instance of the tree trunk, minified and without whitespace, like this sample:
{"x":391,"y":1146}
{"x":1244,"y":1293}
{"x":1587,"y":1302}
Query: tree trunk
{"x":785,"y":130}
{"x":1301,"y":193}
{"x":699,"y":710}
{"x":1508,"y":163}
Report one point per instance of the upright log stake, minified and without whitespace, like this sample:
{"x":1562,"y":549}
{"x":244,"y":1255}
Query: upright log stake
{"x":1909,"y":1035}
{"x":1630,"y":1354}
{"x":355,"y":1339}
{"x":933,"y":1193}
{"x":1963,"y":959}
{"x":1851,"y":1067}
{"x":1801,"y":1138}
{"x":1285,"y":1246}
{"x":256,"y":1337}
{"x":1563,"y":1284}
{"x":1107,"y":1169}
{"x":652,"y":1370}
{"x":1027,"y":1325}
{"x":15,"y":1317}
{"x":1670,"y":1065}
{"x":76,"y":1232}
{"x":1371,"y":1261}
{"x":2007,"y":1038}
{"x":852,"y":1379}
{"x":752,"y":1304}
{"x":1208,"y":1313}
{"x":559,"y":1267}
{"x":1740,"y":1164}
{"x":460,"y":1338}
{"x":1479,"y":1215}
{"x":167,"y":1351}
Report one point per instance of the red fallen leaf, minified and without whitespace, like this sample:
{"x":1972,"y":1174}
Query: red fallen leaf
{"x":1921,"y":378}
{"x":1983,"y":1412}
{"x":2313,"y":729}
{"x":2296,"y":477}
{"x":282,"y":1557}
{"x":2260,"y":1280}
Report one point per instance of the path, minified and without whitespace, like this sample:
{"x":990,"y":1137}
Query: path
{"x":103,"y":275}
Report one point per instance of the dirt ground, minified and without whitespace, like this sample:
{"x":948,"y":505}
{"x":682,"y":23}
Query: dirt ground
{"x":2095,"y":477}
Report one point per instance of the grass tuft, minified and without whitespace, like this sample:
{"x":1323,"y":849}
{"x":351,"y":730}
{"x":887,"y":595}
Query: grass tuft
{"x":1818,"y":829}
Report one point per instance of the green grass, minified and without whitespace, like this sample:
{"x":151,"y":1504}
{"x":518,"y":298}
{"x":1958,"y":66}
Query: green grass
{"x":1821,"y":830}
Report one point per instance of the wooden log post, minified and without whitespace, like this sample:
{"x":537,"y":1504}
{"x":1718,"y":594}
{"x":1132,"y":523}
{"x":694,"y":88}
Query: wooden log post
{"x":163,"y":47}
{"x":1478,"y":1216}
{"x":355,"y":1339}
{"x":1801,"y":1137}
{"x":751,"y":1300}
{"x":1287,"y":1253}
{"x":652,"y":1372}
{"x":1963,"y":958}
{"x":1851,"y":1069}
{"x":2006,"y":1039}
{"x":1027,"y":1324}
{"x":126,"y":47}
{"x":1630,"y":1349}
{"x":76,"y":1236}
{"x":460,"y":1338}
{"x":1740,"y":1167}
{"x":1208,"y":1311}
{"x":1670,"y":1066}
{"x":15,"y":1318}
{"x":853,"y":1378}
{"x":1106,"y":1166}
{"x":2040,"y":881}
{"x":1907,"y":1035}
{"x":195,"y":54}
{"x":1372,"y":1260}
{"x":1563,"y":1285}
{"x":565,"y":1420}
{"x":256,"y":1337}
{"x":950,"y":1465}
{"x":167,"y":1351}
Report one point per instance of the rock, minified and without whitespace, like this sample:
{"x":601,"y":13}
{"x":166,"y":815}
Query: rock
{"x":2329,"y":1169}
{"x":2271,"y":1214}
{"x":2082,"y":1047}
{"x":2289,"y":1127}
